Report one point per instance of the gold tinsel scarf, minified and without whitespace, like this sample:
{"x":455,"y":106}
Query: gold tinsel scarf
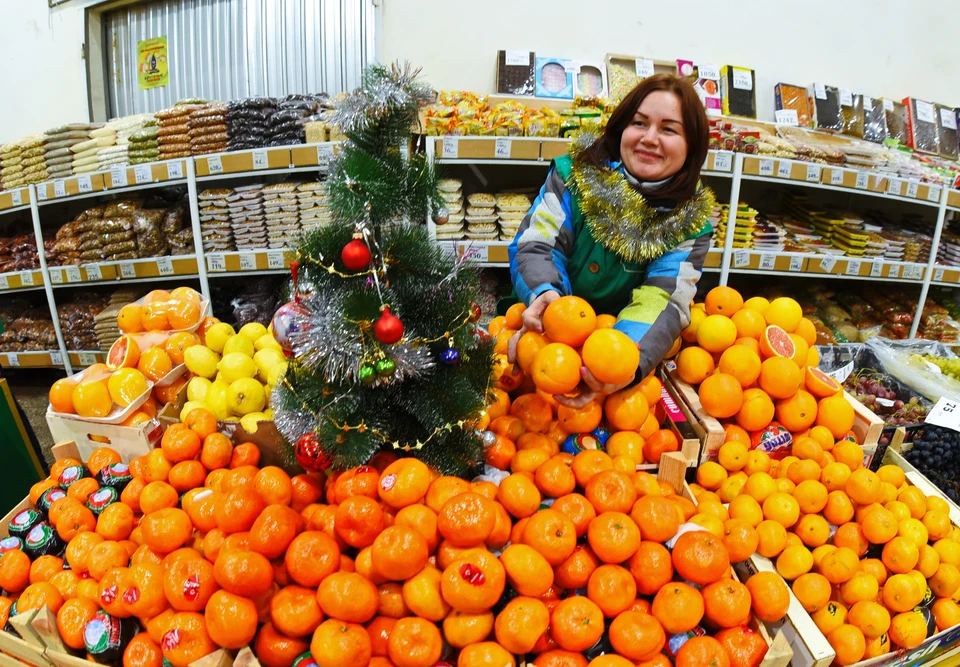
{"x":620,"y":218}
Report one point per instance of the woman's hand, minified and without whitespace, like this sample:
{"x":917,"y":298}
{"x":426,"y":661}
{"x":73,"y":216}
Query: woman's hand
{"x":589,"y":389}
{"x":532,"y":321}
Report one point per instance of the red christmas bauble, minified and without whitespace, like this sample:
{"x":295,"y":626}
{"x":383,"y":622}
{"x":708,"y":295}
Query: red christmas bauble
{"x":389,"y":328}
{"x":310,"y":453}
{"x":355,"y":255}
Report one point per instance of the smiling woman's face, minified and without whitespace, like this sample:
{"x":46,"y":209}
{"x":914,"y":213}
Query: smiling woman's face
{"x":654,"y":146}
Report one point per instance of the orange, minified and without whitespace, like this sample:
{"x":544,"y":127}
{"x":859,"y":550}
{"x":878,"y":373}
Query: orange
{"x":579,"y":420}
{"x":311,"y":557}
{"x":575,"y":571}
{"x":757,"y":410}
{"x":750,"y":324}
{"x":277,"y":650}
{"x":659,"y":443}
{"x":529,"y":344}
{"x":849,"y":644}
{"x":945,"y":582}
{"x":520,"y":625}
{"x":678,"y":607}
{"x":851,"y":535}
{"x":656,"y":517}
{"x":700,"y":557}
{"x":553,"y":534}
{"x":613,"y":536}
{"x":812,"y":590}
{"x":612,"y":588}
{"x":155,"y":363}
{"x":569,"y":320}
{"x":811,"y":496}
{"x":702,"y":651}
{"x":129,"y":319}
{"x":527,"y":571}
{"x":556,"y":369}
{"x":651,"y":567}
{"x":839,"y":565}
{"x":74,"y":518}
{"x":627,"y":409}
{"x":716,"y":333}
{"x":742,"y":363}
{"x":723,"y":301}
{"x":399,"y":552}
{"x":183,"y":314}
{"x":609,"y":491}
{"x":485,"y":653}
{"x":900,"y":555}
{"x":836,"y":414}
{"x":775,"y":342}
{"x":946,"y":613}
{"x":908,"y":630}
{"x":611,"y":356}
{"x":721,"y":395}
{"x":141,"y":590}
{"x":813,"y":530}
{"x":863,"y":486}
{"x":798,"y":412}
{"x":839,"y":509}
{"x":72,"y":618}
{"x":770,"y":596}
{"x":416,"y":642}
{"x":81,"y":489}
{"x":780,"y":377}
{"x":243,"y":572}
{"x":793,"y":562}
{"x":186,"y":639}
{"x":576,"y":624}
{"x":188,"y":581}
{"x":180,"y":443}
{"x":36,"y":596}
{"x":901,"y":593}
{"x":871,"y":618}
{"x":820,"y":384}
{"x":726,"y":603}
{"x":694,"y":365}
{"x":231,"y":620}
{"x":781,"y":507}
{"x":474,"y":582}
{"x":91,"y":398}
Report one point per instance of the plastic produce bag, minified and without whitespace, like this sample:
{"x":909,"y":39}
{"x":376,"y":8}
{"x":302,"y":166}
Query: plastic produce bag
{"x":898,"y":359}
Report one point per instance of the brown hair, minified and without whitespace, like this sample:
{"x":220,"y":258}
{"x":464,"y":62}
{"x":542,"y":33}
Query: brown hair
{"x":695,"y":128}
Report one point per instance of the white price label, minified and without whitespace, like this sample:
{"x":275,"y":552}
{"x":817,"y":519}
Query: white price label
{"x":813,"y":173}
{"x":118,"y":177}
{"x":503,"y":148}
{"x":796,"y":263}
{"x":13,"y":359}
{"x":895,"y":187}
{"x":842,"y":373}
{"x":846,"y":98}
{"x":324,"y":153}
{"x":786,"y":117}
{"x":820,"y":91}
{"x":853,"y":267}
{"x":174,"y":170}
{"x":59,"y":188}
{"x":836,"y":177}
{"x":87,"y":358}
{"x":863,"y":180}
{"x":128,"y":270}
{"x":877,"y":269}
{"x":912,"y":188}
{"x":570,"y":66}
{"x":42,"y":192}
{"x":948,"y":118}
{"x":94,"y":273}
{"x":216,"y":263}
{"x":142,"y":173}
{"x":723,"y":161}
{"x":275,"y":259}
{"x":925,"y":112}
{"x":479,"y":253}
{"x":4,"y":283}
{"x":828,"y":262}
{"x":56,"y":359}
{"x":451,"y":148}
{"x":918,"y":272}
{"x":888,"y":105}
{"x":938,"y":275}
{"x":784,"y":169}
{"x":17,"y":197}
{"x":894,"y":271}
{"x":742,"y":78}
{"x":260,"y":160}
{"x":215,"y":164}
{"x":165,"y":266}
{"x":56,"y":276}
{"x":73,"y":274}
{"x":26,"y":278}
{"x":644,"y":67}
{"x":517,"y":59}
{"x":84,"y":184}
{"x":768,"y":261}
{"x":933,"y":193}
{"x":766,"y":167}
{"x":248,"y":262}
{"x":741,"y":258}
{"x":945,"y":413}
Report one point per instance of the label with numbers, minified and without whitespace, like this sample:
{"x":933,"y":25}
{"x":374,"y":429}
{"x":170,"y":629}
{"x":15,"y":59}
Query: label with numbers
{"x":275,"y":259}
{"x":248,"y":262}
{"x":820,"y":91}
{"x":42,"y":192}
{"x":842,"y":373}
{"x":796,"y":263}
{"x":644,"y":67}
{"x":260,"y":160}
{"x":741,"y":258}
{"x":945,"y":413}
{"x":925,"y":112}
{"x":87,"y":358}
{"x":59,"y":188}
{"x":912,"y":188}
{"x":828,"y":262}
{"x":786,"y":117}
{"x":449,"y":248}
{"x":503,"y":148}
{"x":128,"y":270}
{"x":451,"y":148}
{"x":73,"y":274}
{"x":517,"y":59}
{"x":813,"y":173}
{"x":723,"y":161}
{"x":877,"y":269}
{"x":215,"y":164}
{"x":174,"y":169}
{"x":863,"y":180}
{"x":938,"y":275}
{"x":17,"y":197}
{"x":784,"y":169}
{"x":853,"y":267}
{"x":768,"y":261}
{"x":894,"y":271}
{"x":4,"y":283}
{"x":895,"y":187}
{"x":118,"y":177}
{"x":570,"y":66}
{"x":13,"y":359}
{"x":56,"y":359}
{"x":474,"y":252}
{"x":948,"y":118}
{"x":26,"y":278}
{"x":56,"y":276}
{"x":766,"y":167}
{"x":836,"y":177}
{"x":888,"y":105}
{"x":215,"y":262}
{"x":84,"y":183}
{"x":324,"y":153}
{"x":933,"y":193}
{"x":742,"y":78}
{"x":94,"y":273}
{"x":707,"y":71}
{"x":846,"y":98}
{"x":165,"y":266}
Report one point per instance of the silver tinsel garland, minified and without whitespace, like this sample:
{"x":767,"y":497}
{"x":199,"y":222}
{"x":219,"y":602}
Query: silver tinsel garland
{"x":384,"y":92}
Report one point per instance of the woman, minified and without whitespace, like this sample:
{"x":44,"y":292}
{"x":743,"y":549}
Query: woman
{"x":623,"y":223}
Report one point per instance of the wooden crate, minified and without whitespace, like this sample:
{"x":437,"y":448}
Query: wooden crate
{"x":128,"y":441}
{"x":678,"y":418}
{"x":712,"y":433}
{"x":30,"y":649}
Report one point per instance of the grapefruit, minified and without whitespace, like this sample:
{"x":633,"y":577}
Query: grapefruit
{"x":776,"y":342}
{"x":820,"y":384}
{"x":785,"y":313}
{"x":124,"y":353}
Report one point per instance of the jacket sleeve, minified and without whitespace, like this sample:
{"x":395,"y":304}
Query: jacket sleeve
{"x":660,"y":308}
{"x":544,"y":242}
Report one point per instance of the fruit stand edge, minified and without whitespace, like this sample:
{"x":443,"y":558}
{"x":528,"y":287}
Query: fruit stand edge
{"x":23,"y":649}
{"x":714,"y":434}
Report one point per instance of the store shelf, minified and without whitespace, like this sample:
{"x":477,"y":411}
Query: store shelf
{"x":31,"y":360}
{"x":248,"y":261}
{"x":19,"y":281}
{"x":266,"y":161}
{"x":87,"y":273}
{"x":12,"y":201}
{"x":87,"y":358}
{"x":154,"y":268}
{"x":115,"y":181}
{"x":485,"y":253}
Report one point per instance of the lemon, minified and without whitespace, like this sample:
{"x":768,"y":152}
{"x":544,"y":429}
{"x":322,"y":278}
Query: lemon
{"x":249,"y":422}
{"x":201,"y":360}
{"x":217,"y":399}
{"x":188,"y":406}
{"x":197,"y":388}
{"x":231,"y":419}
{"x":266,"y":360}
{"x":125,"y":385}
{"x":235,"y":366}
{"x":253,"y":330}
{"x":275,"y":374}
{"x":245,"y":396}
{"x":240,"y":344}
{"x":267,"y":342}
{"x":268,"y":413}
{"x":217,"y":336}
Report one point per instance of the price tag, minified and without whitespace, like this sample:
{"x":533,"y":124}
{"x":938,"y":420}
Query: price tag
{"x":894,"y":271}
{"x":56,"y":359}
{"x":842,"y":373}
{"x":73,"y":274}
{"x":741,"y":258}
{"x":260,"y":160}
{"x":4,"y":283}
{"x":863,"y":180}
{"x":174,"y":170}
{"x":766,"y":167}
{"x":215,"y":164}
{"x":846,"y":98}
{"x":248,"y":262}
{"x":853,"y":267}
{"x":87,"y":358}
{"x":723,"y":161}
{"x":142,"y":173}
{"x":644,"y":67}
{"x":128,"y":270}
{"x":948,"y":118}
{"x":570,"y":66}
{"x":84,"y":184}
{"x":475,"y":253}
{"x":56,"y":276}
{"x":813,"y":173}
{"x":888,"y":105}
{"x":59,"y":188}
{"x":945,"y":413}
{"x":708,"y":71}
{"x":26,"y":278}
{"x":13,"y":359}
{"x":786,"y":117}
{"x":165,"y":266}
{"x":877,"y":269}
{"x":742,"y":78}
{"x":937,"y":275}
{"x":517,"y":59}
{"x":275,"y":259}
{"x":933,"y":193}
{"x":451,"y":148}
{"x":17,"y":197}
{"x":449,"y":248}
{"x":216,"y":263}
{"x":918,"y":272}
{"x":784,"y":169}
{"x":820,"y":91}
{"x":42,"y":192}
{"x":895,"y":187}
{"x":796,"y":263}
{"x":836,"y":177}
{"x":768,"y":261}
{"x":93,"y":272}
{"x":925,"y":112}
{"x":828,"y":262}
{"x":503,"y":148}
{"x":118,"y":177}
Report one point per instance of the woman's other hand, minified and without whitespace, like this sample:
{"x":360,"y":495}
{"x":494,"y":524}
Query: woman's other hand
{"x":589,"y":389}
{"x":532,"y":321}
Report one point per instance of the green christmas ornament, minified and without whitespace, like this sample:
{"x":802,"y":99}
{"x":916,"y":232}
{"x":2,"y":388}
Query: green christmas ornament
{"x":367,"y":374}
{"x":386,"y":367}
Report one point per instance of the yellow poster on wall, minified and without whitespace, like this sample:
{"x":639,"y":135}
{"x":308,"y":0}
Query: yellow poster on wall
{"x":152,"y":63}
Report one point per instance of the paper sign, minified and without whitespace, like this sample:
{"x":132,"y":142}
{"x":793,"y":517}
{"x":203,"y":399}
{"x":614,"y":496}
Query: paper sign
{"x":87,"y":358}
{"x":517,"y":59}
{"x":766,"y":167}
{"x":42,"y":192}
{"x":933,"y":193}
{"x":13,"y":359}
{"x":275,"y":259}
{"x":56,"y":359}
{"x":644,"y":67}
{"x":912,"y":188}
{"x":784,"y":169}
{"x":451,"y":148}
{"x":128,"y":270}
{"x":94,"y":273}
{"x":324,"y":153}
{"x":260,"y":160}
{"x":863,"y":180}
{"x":796,"y":263}
{"x":17,"y":197}
{"x":742,"y":78}
{"x":165,"y":266}
{"x":248,"y":262}
{"x":503,"y":148}
{"x":767,"y":261}
{"x":948,"y":118}
{"x":925,"y":112}
{"x":73,"y":274}
{"x":813,"y":173}
{"x":820,"y":91}
{"x":174,"y":170}
{"x":216,"y":263}
{"x":215,"y":164}
{"x":888,"y":105}
{"x":56,"y":276}
{"x":876,"y":270}
{"x":4,"y":283}
{"x":741,"y":258}
{"x":26,"y":278}
{"x":846,"y":98}
{"x":153,"y":66}
{"x":786,"y":117}
{"x":938,"y":275}
{"x":945,"y":413}
{"x":894,"y":271}
{"x":853,"y":267}
{"x":842,"y":373}
{"x":722,"y":161}
{"x":84,"y":184}
{"x":705,"y":71}
{"x":828,"y":262}
{"x":894,"y":187}
{"x":142,"y":173}
{"x":59,"y":188}
{"x":836,"y":177}
{"x":118,"y":177}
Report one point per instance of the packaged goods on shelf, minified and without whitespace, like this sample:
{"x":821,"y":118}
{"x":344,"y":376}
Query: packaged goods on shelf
{"x":738,"y":91}
{"x":874,"y":119}
{"x":105,"y":322}
{"x":208,"y":129}
{"x":481,"y":217}
{"x":18,"y":253}
{"x":789,"y":97}
{"x":59,"y":156}
{"x":554,"y":78}
{"x":78,"y":318}
{"x":173,"y":134}
{"x":947,"y":125}
{"x":11,"y":165}
{"x":247,"y":122}
{"x":215,"y":230}
{"x":746,"y":221}
{"x":281,"y":207}
{"x":512,"y":208}
{"x":314,"y":212}
{"x":27,"y":327}
{"x":246,"y":210}
{"x":851,"y":113}
{"x":451,"y":191}
{"x":34,"y":167}
{"x":922,"y":128}
{"x":895,"y":117}
{"x":825,"y":104}
{"x":516,"y":72}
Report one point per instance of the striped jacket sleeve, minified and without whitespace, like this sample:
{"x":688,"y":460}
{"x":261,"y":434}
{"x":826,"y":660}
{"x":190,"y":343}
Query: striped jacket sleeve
{"x":544,"y":242}
{"x":660,"y":308}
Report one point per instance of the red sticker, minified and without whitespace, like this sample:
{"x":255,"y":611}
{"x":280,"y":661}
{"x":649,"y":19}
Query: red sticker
{"x":131,"y":595}
{"x":472,"y":575}
{"x":387,"y":482}
{"x":109,"y":595}
{"x":191,"y":588}
{"x":171,"y":640}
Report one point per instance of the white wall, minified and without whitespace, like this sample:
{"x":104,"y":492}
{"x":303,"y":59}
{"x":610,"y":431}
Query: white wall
{"x":879,"y":47}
